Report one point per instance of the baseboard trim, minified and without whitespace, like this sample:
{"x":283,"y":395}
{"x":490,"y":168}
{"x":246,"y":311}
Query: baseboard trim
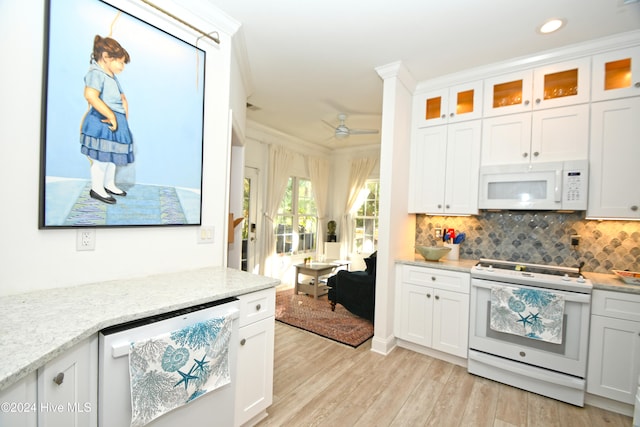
{"x":608,"y":404}
{"x":456,"y":360}
{"x":383,"y":346}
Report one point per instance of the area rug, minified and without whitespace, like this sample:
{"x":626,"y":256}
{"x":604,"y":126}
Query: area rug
{"x":309,"y":314}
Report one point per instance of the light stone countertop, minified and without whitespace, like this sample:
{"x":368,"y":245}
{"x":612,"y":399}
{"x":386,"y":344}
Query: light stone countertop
{"x":38,"y":326}
{"x":605,"y":282}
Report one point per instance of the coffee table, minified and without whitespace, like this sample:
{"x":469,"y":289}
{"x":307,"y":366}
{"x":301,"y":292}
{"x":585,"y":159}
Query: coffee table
{"x":316,"y":270}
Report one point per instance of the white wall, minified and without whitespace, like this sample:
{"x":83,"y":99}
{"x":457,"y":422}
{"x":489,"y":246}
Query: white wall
{"x":35,"y":259}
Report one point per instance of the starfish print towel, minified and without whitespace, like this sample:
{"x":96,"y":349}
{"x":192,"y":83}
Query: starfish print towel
{"x":173,"y":369}
{"x":530,"y":313}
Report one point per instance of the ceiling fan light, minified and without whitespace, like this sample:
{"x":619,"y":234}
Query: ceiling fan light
{"x":341,"y":135}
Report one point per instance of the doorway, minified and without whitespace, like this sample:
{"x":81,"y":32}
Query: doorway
{"x":250,"y":212}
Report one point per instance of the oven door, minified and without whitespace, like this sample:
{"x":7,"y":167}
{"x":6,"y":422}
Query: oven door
{"x":569,"y":357}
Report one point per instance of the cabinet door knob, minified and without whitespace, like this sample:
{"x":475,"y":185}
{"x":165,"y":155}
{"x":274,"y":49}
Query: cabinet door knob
{"x":428,"y":295}
{"x":525,"y":154}
{"x":526,"y":102}
{"x":538,"y":101}
{"x":634,"y":208}
{"x":447,"y":206}
{"x":439,"y":206}
{"x":243,"y":341}
{"x":433,"y":278}
{"x":452,"y":114}
{"x":258,"y":307}
{"x":637,"y":84}
{"x":437,"y":297}
{"x":58,"y":379}
{"x":444,"y":116}
{"x":536,"y":154}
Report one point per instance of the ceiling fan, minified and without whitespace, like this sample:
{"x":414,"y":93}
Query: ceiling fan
{"x":342,"y":131}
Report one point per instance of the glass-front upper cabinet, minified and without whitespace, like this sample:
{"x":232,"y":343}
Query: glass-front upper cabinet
{"x":616,"y":74}
{"x":555,"y":85}
{"x":449,"y":105}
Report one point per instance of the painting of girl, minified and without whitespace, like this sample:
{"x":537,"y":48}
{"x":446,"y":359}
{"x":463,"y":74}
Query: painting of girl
{"x":105,"y":136}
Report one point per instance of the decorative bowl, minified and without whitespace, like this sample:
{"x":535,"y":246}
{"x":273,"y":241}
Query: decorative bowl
{"x":629,"y":277}
{"x":432,"y":253}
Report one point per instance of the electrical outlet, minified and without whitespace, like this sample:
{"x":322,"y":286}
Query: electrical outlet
{"x":575,"y":240}
{"x":86,"y":240}
{"x":437,"y":233}
{"x":206,"y":234}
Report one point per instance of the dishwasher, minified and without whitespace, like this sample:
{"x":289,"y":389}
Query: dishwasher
{"x":215,"y":408}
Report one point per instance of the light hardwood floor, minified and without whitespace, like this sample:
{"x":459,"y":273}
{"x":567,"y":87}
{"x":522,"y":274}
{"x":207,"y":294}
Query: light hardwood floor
{"x":318,"y":382}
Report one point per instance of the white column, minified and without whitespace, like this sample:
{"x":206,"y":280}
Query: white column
{"x":396,"y":228}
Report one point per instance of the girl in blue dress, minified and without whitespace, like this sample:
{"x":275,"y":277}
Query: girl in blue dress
{"x":105,"y":137}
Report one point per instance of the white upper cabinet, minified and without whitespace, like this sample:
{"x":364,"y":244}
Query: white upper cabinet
{"x":449,"y":105}
{"x":555,"y":85}
{"x":445,"y":162}
{"x":616,"y":74}
{"x":614,"y":153}
{"x":550,"y":135}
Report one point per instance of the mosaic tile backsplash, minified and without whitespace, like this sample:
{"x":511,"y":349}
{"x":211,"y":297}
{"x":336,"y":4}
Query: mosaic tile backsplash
{"x":541,"y":238}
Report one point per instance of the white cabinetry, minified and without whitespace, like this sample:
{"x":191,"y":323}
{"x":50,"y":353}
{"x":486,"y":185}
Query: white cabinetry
{"x":20,"y":407}
{"x":616,"y":74}
{"x":614,"y":346}
{"x":614,"y":155}
{"x":445,"y":161}
{"x":433,"y":308}
{"x":254,"y":387}
{"x":448,"y":105}
{"x":68,"y":388}
{"x":549,"y":135}
{"x":555,"y":85}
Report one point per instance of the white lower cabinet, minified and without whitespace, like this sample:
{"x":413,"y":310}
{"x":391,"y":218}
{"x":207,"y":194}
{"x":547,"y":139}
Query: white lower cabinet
{"x":433,"y":308}
{"x":62,"y":393}
{"x":614,"y":346}
{"x":19,"y":403}
{"x":254,"y":386}
{"x":68,"y":388}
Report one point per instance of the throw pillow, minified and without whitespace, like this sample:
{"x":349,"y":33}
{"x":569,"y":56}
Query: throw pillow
{"x":371,"y":265}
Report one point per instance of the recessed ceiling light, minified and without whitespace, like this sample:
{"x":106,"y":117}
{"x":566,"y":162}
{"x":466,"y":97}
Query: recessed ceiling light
{"x":551,"y":25}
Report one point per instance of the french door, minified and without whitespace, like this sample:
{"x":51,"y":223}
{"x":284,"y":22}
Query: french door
{"x":250,"y":209}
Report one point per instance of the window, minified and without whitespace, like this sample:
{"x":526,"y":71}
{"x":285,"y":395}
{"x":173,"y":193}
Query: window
{"x":297,"y":219}
{"x":365,"y":239}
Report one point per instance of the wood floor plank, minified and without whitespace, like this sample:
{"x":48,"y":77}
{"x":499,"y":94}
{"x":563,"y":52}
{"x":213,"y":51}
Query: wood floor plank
{"x":512,"y":406}
{"x":421,"y":401}
{"x":542,"y":412}
{"x":573,"y":416}
{"x":384,"y":408}
{"x":483,"y":401}
{"x":318,"y":382}
{"x":451,"y":403}
{"x":601,"y":418}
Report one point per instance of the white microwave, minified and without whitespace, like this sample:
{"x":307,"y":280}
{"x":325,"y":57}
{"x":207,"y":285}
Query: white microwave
{"x":535,"y":186}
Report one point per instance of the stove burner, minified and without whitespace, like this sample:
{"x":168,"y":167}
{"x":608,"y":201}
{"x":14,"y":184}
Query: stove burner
{"x":551,"y":270}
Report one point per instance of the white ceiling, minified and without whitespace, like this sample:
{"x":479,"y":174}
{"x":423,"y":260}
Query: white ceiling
{"x":310,"y":60}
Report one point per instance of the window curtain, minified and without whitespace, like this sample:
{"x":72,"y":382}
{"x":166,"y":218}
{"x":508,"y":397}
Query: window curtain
{"x":319,"y":174}
{"x":360,"y":171}
{"x":279,"y":161}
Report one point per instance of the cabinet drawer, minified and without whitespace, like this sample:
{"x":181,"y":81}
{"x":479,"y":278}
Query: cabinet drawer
{"x":619,"y":305}
{"x":439,"y":279}
{"x":257,"y":306}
